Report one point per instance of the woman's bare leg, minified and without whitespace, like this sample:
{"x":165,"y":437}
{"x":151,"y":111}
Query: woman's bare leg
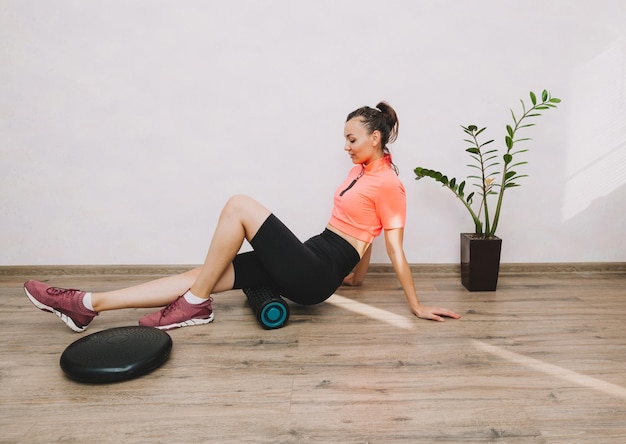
{"x":240,"y":219}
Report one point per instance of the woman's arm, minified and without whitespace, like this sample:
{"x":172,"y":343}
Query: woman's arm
{"x":358,"y":274}
{"x":393,"y":241}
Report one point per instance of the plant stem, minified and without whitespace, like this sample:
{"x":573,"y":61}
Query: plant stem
{"x":478,"y":226}
{"x":483,"y":185}
{"x":505,"y":169}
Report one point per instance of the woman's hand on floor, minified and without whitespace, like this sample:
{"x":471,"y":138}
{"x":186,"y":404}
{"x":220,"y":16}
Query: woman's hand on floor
{"x":434,"y":313}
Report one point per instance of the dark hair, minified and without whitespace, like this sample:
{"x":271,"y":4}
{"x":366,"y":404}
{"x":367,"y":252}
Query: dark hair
{"x":383,"y":119}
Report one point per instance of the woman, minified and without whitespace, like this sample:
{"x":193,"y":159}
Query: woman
{"x":371,"y":199}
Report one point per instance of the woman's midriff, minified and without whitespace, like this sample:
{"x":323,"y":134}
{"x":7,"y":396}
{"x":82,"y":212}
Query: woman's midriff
{"x":359,"y":245}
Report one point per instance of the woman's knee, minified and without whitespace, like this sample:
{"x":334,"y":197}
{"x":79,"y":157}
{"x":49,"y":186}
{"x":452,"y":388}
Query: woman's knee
{"x":240,"y":202}
{"x":247,"y":210}
{"x":244,"y":205}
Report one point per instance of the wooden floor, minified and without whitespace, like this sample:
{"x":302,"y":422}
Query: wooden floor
{"x":541,"y":360}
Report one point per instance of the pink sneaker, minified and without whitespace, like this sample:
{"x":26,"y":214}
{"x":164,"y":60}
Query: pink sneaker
{"x":67,"y":304}
{"x":179,"y":313}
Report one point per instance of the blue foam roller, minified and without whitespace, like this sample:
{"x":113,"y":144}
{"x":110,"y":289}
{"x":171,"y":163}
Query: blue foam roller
{"x":270,"y":309}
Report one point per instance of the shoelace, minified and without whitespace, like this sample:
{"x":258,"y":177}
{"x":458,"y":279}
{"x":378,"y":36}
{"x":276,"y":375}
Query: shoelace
{"x":168,"y":308}
{"x":171,"y":307}
{"x":56,"y":291}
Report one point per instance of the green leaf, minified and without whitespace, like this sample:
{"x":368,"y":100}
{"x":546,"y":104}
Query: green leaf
{"x":461,"y":188}
{"x":509,"y":130}
{"x":473,"y":150}
{"x":472,"y":128}
{"x":509,"y":142}
{"x":555,"y":100}
{"x":542,"y":107}
{"x":509,"y":175}
{"x":507,"y":159}
{"x":544,"y":95}
{"x":469,"y":198}
{"x":452,"y":183}
{"x":533,"y":98}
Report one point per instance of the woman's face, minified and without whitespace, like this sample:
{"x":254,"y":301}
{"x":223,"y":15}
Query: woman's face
{"x":362,"y":146}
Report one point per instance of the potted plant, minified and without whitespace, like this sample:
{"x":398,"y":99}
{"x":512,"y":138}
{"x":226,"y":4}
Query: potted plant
{"x":495,"y":172}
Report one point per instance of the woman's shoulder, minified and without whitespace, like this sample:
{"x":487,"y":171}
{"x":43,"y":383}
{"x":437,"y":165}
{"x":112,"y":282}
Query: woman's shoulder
{"x":391,"y":182}
{"x":390,"y":175}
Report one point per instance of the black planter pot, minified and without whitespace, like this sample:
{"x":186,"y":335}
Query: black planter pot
{"x":480,"y":262}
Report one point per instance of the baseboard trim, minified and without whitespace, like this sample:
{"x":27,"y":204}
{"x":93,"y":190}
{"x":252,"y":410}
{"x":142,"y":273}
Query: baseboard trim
{"x":515,"y":268}
{"x":92,"y":270}
{"x":36,"y":271}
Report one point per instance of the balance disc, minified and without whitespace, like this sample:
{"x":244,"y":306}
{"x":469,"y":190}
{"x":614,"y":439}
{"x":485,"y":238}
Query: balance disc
{"x":116,"y":354}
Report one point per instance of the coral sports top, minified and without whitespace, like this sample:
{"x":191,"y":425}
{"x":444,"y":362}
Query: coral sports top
{"x":371,"y":199}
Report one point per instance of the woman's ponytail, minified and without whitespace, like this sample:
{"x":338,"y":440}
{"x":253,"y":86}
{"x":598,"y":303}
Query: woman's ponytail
{"x":391,"y":122}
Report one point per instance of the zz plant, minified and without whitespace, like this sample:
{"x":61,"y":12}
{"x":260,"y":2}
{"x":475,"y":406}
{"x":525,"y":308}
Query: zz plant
{"x":494,"y":174}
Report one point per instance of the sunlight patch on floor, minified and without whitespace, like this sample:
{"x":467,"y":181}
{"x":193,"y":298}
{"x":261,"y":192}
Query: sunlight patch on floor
{"x":372,"y":312}
{"x":554,"y":370}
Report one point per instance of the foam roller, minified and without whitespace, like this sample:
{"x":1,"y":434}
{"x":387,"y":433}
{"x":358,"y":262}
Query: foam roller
{"x":270,"y":309}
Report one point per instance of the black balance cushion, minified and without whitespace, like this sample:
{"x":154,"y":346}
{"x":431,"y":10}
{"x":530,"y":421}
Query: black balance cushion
{"x":116,"y":354}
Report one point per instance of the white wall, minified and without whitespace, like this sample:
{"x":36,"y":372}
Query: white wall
{"x":125,"y":125}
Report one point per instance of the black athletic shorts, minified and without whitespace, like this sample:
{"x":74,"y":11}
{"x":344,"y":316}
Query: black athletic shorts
{"x":306,"y":273}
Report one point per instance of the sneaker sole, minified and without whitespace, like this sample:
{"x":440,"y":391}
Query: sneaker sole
{"x":65,"y":318}
{"x":189,"y":323}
